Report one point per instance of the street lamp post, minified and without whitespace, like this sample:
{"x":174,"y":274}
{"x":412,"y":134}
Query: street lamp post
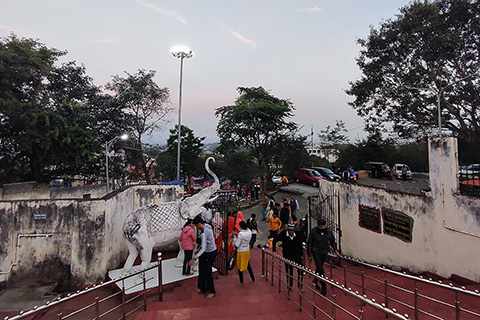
{"x":182,"y":53}
{"x":438,"y":93}
{"x":108,"y":144}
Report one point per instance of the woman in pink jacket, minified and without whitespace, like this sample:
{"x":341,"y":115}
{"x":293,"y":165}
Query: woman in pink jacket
{"x":187,"y":239}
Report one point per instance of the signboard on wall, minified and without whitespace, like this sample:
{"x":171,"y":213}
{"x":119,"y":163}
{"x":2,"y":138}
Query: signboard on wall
{"x":397,"y":224}
{"x":369,"y":218}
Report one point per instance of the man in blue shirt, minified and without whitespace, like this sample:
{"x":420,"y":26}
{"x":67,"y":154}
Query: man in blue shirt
{"x":206,"y":256}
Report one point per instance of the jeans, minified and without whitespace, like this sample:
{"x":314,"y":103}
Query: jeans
{"x":205,"y":278}
{"x":186,"y":260}
{"x":289,"y":273}
{"x":319,"y":259}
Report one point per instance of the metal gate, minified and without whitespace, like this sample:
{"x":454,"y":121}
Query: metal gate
{"x":225,"y":203}
{"x":328,"y":208}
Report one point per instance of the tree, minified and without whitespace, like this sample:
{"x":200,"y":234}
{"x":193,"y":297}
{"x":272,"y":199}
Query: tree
{"x":45,"y":125}
{"x":258,"y":122}
{"x":430,"y":44}
{"x":147,"y":107}
{"x":332,"y":138}
{"x":190,"y":152}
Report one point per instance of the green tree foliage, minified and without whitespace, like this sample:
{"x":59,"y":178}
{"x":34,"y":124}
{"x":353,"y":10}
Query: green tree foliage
{"x":238,"y":167}
{"x":146,"y":106}
{"x":191,"y":163}
{"x":46,"y":127}
{"x":257,"y":122}
{"x":429,"y":44}
{"x":332,"y":138}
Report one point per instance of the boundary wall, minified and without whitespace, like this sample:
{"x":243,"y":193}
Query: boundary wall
{"x":438,"y":231}
{"x":79,"y":238}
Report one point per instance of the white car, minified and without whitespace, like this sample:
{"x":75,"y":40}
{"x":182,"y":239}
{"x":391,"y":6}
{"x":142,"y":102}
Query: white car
{"x":277,"y":180}
{"x":401,"y":169}
{"x":472,"y":170}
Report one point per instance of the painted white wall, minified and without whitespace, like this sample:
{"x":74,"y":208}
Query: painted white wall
{"x":446,"y":228}
{"x":87,"y":235}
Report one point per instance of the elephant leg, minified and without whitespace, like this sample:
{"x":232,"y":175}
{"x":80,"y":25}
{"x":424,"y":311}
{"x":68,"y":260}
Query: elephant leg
{"x":146,"y":253}
{"x":131,"y":257}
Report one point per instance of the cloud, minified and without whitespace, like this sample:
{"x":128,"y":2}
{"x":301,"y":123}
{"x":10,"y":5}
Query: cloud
{"x":311,"y":10}
{"x":251,"y":43}
{"x":165,"y":12}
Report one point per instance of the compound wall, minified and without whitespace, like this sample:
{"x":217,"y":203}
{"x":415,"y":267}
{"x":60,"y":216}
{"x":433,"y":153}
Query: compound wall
{"x":438,"y":231}
{"x":72,"y":241}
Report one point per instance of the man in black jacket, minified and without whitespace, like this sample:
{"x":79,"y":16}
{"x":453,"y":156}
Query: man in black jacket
{"x":292,"y":250}
{"x":320,"y":242}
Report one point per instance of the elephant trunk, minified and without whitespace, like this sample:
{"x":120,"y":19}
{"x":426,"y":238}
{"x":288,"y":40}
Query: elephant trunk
{"x":192,"y":206}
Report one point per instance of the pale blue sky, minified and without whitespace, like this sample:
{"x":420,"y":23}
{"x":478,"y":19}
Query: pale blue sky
{"x":303,"y":50}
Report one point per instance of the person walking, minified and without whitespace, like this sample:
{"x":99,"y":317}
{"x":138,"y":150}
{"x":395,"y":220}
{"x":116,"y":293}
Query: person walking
{"x":242,"y":243}
{"x":239,"y":219}
{"x":320,"y":243}
{"x":294,"y":206}
{"x":253,"y":226}
{"x":206,"y":256}
{"x":292,"y":250}
{"x":264,"y":206}
{"x":274,"y":225}
{"x":187,"y":239}
{"x":285,"y":214}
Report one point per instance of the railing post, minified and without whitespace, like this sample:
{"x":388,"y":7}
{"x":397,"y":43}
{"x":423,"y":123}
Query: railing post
{"x":263,"y":263}
{"x":345,"y":278}
{"x":97,"y":309}
{"x":59,"y":316}
{"x":160,"y":277}
{"x":144,"y":291}
{"x":279,"y":276}
{"x":273,"y":266}
{"x":457,"y":307}
{"x":386,"y":293}
{"x":331,"y":271}
{"x":124,"y":311}
{"x":415,"y":297}
{"x":363,"y":283}
{"x":334,"y":310}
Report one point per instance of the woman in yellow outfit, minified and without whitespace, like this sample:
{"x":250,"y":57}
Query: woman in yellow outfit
{"x":242,"y":243}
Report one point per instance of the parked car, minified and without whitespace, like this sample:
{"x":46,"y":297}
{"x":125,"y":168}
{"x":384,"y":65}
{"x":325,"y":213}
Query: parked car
{"x":277,"y":180}
{"x":377,"y":169}
{"x":308,"y":176}
{"x":327,"y":173}
{"x":470,"y":170}
{"x":402,"y":171}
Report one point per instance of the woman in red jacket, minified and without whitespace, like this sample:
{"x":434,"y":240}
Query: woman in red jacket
{"x":187,"y":239}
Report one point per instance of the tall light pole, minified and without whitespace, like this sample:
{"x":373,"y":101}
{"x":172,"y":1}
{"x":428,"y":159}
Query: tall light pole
{"x":182,"y":53}
{"x":438,"y":93}
{"x":108,"y":144}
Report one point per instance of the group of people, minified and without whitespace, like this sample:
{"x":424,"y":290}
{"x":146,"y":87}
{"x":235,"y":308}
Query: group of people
{"x":241,"y":234}
{"x":283,"y":227}
{"x":320,"y":242}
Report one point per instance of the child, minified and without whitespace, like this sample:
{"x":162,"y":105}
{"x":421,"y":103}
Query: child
{"x":252,"y":225}
{"x":188,"y":239}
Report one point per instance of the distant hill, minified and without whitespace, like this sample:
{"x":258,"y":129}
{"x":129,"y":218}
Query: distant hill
{"x":210,"y":146}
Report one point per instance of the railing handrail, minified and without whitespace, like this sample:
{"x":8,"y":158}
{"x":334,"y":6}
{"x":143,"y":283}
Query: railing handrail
{"x":356,"y":294}
{"x":462,"y":290}
{"x":94,"y":287}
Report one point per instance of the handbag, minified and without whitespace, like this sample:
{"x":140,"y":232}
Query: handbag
{"x":231,"y":261}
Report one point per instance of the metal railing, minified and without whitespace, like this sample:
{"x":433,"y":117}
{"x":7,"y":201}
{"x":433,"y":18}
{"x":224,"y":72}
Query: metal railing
{"x":469,"y":183}
{"x":448,"y":301}
{"x":99,"y":302}
{"x":308,"y":300}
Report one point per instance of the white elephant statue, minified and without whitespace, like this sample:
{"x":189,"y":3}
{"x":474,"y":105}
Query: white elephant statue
{"x":158,"y":225}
